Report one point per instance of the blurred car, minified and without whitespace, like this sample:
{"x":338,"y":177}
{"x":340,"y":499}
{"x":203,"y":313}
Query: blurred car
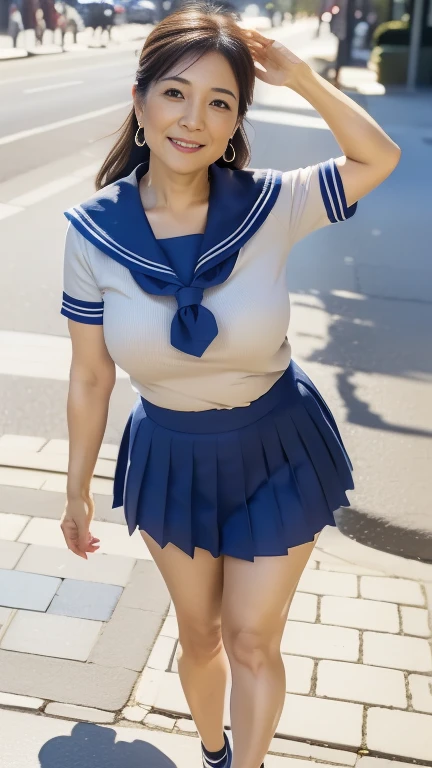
{"x":140,"y":11}
{"x":98,"y":13}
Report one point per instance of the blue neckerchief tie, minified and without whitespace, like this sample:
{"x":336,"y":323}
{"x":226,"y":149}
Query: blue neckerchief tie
{"x":114,"y":220}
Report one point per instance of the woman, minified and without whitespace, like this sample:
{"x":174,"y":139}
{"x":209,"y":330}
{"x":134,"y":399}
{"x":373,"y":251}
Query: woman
{"x":231,"y":463}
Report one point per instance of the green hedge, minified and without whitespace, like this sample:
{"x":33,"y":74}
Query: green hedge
{"x":398,"y":33}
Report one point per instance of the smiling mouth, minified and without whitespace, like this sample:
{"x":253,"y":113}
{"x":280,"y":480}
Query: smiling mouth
{"x":185,"y":145}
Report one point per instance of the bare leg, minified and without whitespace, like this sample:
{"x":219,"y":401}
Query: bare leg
{"x":195,"y":585}
{"x":255,"y":605}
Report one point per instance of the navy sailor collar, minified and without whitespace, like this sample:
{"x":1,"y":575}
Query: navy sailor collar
{"x":114,"y":220}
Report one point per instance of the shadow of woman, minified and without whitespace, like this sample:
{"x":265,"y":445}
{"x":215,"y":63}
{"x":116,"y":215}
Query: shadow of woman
{"x":94,"y":746}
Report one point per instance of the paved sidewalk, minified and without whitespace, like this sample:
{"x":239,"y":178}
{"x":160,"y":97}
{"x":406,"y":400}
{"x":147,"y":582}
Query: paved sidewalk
{"x":97,"y":641}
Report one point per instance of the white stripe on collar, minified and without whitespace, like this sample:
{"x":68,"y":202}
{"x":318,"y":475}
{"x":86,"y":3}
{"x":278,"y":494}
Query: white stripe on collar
{"x":269,"y":182}
{"x":102,"y":236}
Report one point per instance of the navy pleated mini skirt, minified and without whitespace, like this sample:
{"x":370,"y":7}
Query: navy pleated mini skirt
{"x":247,"y":481}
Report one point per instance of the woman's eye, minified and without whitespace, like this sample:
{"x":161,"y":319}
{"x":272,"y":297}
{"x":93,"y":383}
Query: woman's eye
{"x":174,"y":91}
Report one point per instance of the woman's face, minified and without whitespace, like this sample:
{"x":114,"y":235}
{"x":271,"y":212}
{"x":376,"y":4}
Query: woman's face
{"x":198,"y":106}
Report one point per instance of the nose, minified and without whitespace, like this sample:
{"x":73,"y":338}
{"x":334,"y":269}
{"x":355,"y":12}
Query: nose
{"x":193,"y":116}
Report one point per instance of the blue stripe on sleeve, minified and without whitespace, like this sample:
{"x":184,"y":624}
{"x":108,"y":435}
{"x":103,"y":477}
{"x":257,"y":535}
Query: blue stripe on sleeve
{"x":333,"y":193}
{"x":90,"y":312}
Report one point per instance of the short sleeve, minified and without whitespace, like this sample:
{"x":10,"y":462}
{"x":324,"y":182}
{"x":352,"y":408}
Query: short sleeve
{"x":82,"y":299}
{"x":311,"y":198}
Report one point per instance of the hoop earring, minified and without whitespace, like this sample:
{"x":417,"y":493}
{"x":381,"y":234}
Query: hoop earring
{"x":234,"y":154}
{"x":137,"y":141}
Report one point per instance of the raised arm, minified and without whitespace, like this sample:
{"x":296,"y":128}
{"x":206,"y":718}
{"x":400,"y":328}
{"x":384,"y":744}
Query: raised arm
{"x":370,"y":155}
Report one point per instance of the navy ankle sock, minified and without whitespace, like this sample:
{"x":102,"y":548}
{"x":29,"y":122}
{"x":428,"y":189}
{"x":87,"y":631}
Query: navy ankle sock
{"x":219,"y":759}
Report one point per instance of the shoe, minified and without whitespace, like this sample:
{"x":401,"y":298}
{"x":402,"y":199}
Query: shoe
{"x":222,"y":762}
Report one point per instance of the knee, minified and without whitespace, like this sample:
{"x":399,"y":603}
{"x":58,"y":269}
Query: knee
{"x":200,"y":641}
{"x":252,"y":648}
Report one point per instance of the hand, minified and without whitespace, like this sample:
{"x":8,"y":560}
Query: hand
{"x":75,"y":523}
{"x":281,"y":65}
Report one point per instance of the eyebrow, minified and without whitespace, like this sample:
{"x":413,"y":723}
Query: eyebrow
{"x":187,"y":82}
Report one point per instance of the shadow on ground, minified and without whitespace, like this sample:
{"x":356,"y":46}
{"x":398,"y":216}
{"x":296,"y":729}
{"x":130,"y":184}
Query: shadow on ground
{"x":94,"y":746}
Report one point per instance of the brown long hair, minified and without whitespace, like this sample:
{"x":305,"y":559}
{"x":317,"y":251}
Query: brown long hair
{"x":199,"y":28}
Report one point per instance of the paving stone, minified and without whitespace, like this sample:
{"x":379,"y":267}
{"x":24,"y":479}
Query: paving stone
{"x":23,"y":443}
{"x":10,"y":553}
{"x":85,"y":600}
{"x":356,"y":612}
{"x":46,"y":504}
{"x":148,"y":686}
{"x":276,"y":761}
{"x":146,"y":589}
{"x":311,"y":751}
{"x":362,"y":683}
{"x":43,"y":531}
{"x":135,"y":714}
{"x":108,"y":451}
{"x":114,"y":538}
{"x":53,"y":561}
{"x":57,"y":636}
{"x":87,"y":714}
{"x":340,"y":567}
{"x":298,"y":673}
{"x":50,"y":463}
{"x":408,"y":653}
{"x":127,"y":639}
{"x":170,"y":627}
{"x":304,"y":607}
{"x":170,"y":696}
{"x":12,"y":525}
{"x":381,"y":762}
{"x":333,"y":722}
{"x":25,"y":590}
{"x":392,"y":590}
{"x":155,"y":720}
{"x":5,"y":615}
{"x":320,"y":641}
{"x":60,"y":447}
{"x":20,"y":702}
{"x":415,"y":621}
{"x":186,"y":725}
{"x":25,"y":478}
{"x":421,"y":692}
{"x":71,"y":682}
{"x":400,"y":734}
{"x":326,"y":583}
{"x":57,"y":483}
{"x":162,"y":653}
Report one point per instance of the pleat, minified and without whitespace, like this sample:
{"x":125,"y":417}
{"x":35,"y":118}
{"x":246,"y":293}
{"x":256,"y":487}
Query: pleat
{"x":235,"y":526}
{"x":335,"y":445}
{"x":265,"y":513}
{"x":178,"y":525}
{"x":205,"y":495}
{"x":154,"y":486}
{"x":319,"y":455}
{"x":307,"y":483}
{"x":121,"y":466}
{"x":136,"y":472}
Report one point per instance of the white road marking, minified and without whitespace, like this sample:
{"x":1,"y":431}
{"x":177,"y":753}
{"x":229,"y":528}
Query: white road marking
{"x":62,"y":123}
{"x":37,"y":355}
{"x":20,"y":203}
{"x":53,"y":87}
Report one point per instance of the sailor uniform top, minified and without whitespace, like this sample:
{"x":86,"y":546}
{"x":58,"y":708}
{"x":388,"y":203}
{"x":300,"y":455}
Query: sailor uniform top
{"x":214,"y":336}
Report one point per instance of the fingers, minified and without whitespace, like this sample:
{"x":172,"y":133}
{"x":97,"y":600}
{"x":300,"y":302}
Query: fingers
{"x":79,"y":541}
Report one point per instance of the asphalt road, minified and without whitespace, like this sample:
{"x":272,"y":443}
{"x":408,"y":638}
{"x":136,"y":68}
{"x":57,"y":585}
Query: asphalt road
{"x":361,"y":311}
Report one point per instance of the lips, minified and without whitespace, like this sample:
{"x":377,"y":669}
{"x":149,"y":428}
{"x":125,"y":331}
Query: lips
{"x":187,"y":150}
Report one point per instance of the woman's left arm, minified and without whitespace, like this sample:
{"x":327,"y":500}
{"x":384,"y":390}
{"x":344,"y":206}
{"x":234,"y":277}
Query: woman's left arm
{"x":370,"y":155}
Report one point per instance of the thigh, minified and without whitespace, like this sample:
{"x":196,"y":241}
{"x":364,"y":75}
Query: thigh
{"x":195,"y":585}
{"x":257,"y":596}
